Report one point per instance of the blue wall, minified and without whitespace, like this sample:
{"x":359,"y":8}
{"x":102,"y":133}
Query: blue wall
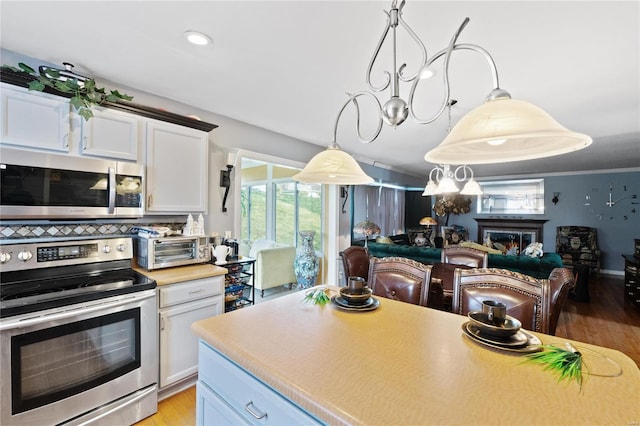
{"x":615,"y":233}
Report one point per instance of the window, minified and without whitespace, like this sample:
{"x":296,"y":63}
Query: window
{"x":253,"y":216}
{"x":275,"y":207}
{"x":512,"y":197}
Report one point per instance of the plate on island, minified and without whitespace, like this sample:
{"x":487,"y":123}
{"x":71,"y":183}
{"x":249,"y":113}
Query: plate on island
{"x":369,"y":305}
{"x":521,"y":342}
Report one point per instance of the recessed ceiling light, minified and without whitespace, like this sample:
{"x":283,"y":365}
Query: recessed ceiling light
{"x":198,"y":38}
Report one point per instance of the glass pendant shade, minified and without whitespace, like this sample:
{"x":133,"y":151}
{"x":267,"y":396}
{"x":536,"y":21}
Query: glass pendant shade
{"x":446,"y":186}
{"x":504,"y":130}
{"x":333,"y":166}
{"x":430,"y":189}
{"x":471,"y":188}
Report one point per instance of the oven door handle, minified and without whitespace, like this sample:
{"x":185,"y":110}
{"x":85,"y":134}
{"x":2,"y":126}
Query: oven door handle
{"x":86,"y":308}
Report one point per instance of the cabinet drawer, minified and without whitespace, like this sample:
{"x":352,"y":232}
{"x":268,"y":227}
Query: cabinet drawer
{"x":254,"y":401}
{"x":190,"y":290}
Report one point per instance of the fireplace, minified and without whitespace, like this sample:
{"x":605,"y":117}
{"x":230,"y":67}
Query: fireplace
{"x":511,"y":236}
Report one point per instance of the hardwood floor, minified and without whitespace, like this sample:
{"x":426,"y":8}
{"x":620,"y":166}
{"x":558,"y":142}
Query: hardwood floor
{"x":177,"y":410}
{"x":605,"y":321}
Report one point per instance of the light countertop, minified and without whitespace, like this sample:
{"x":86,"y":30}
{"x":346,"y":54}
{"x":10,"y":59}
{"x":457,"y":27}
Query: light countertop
{"x":182,"y":273}
{"x":406,"y":364}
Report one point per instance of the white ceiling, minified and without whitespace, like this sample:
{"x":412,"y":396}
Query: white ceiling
{"x":286,"y":66}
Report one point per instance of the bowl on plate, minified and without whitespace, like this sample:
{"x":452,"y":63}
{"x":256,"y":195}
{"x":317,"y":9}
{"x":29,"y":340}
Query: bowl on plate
{"x":509,"y":327}
{"x":355,"y":299}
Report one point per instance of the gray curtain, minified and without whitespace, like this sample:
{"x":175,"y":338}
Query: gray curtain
{"x":385,"y":208}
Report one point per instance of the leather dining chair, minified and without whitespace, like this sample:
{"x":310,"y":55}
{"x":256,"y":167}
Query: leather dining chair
{"x":400,"y":279}
{"x":561,"y":281}
{"x":355,"y":260}
{"x":466,"y":256}
{"x":528,"y":299}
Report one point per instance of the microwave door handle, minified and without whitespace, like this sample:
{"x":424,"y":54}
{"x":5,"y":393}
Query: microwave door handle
{"x":112,"y":190}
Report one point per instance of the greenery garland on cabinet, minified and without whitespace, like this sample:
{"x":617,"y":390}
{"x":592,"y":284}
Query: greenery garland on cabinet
{"x":84,"y":92}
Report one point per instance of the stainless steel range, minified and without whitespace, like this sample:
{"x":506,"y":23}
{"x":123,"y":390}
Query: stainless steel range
{"x":78,"y":334}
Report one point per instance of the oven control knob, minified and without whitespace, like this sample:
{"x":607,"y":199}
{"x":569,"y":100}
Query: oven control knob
{"x":5,"y":257}
{"x":25,"y":255}
{"x":106,"y":249}
{"x":121,"y":247}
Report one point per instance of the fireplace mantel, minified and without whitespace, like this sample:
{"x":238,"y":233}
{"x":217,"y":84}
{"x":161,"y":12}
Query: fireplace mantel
{"x":533,"y":227}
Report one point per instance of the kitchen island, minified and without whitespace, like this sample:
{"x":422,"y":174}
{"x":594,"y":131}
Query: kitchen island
{"x":398,"y":364}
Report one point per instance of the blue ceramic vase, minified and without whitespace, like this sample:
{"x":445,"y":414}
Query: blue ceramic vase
{"x":306,"y":264}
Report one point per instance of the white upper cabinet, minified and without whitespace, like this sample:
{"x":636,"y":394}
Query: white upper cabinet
{"x":110,"y":134}
{"x":34,"y":119}
{"x":177,"y":168}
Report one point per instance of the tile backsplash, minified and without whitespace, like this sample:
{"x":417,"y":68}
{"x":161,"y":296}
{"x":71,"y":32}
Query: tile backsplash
{"x":72,"y":230}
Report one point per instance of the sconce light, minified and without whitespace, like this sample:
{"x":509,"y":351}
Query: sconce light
{"x":344,"y":194}
{"x":225,"y":179}
{"x":556,"y":198}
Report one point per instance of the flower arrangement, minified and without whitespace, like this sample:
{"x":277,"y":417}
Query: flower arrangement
{"x":448,"y":204}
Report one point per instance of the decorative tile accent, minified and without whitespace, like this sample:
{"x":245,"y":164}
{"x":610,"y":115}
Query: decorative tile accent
{"x":7,"y":232}
{"x":71,"y":230}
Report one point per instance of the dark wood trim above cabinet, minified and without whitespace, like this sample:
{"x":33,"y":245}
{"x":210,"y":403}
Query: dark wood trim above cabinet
{"x":22,"y":80}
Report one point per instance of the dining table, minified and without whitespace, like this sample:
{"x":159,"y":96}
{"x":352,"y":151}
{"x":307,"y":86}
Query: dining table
{"x":397,"y":363}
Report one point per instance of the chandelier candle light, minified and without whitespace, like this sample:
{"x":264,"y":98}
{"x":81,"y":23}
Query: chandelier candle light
{"x":500,"y":130}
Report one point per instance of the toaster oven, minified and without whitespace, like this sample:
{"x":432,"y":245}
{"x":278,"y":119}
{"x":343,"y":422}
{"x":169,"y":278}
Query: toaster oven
{"x":166,"y":252}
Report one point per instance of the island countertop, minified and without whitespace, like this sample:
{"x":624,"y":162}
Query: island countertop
{"x":406,"y":364}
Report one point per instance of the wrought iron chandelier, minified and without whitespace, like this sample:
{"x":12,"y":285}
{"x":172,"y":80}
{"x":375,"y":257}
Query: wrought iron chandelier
{"x":499,"y":130}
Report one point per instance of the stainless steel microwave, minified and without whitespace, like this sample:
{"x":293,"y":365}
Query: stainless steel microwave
{"x":40,"y":185}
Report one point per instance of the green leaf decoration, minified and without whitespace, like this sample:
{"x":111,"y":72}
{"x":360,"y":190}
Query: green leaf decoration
{"x":317,"y":296}
{"x":85,"y":113}
{"x":78,"y":103}
{"x":36,"y":85}
{"x":86,"y":94}
{"x":26,"y":68}
{"x":565,"y":364}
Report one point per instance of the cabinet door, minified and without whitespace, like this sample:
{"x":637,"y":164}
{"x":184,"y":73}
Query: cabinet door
{"x":34,"y":119}
{"x":212,"y":410}
{"x":177,"y":168}
{"x":110,"y":134}
{"x":178,"y":344}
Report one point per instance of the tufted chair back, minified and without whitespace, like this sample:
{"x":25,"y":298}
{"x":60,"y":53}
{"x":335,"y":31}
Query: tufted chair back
{"x":401,"y":279}
{"x":561,"y":280}
{"x":355,"y":260}
{"x":465,"y":256}
{"x":527,"y":298}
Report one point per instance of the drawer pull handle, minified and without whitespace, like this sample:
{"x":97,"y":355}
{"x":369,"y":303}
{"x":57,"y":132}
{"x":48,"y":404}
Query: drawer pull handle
{"x":195,"y":291}
{"x":258,"y":415}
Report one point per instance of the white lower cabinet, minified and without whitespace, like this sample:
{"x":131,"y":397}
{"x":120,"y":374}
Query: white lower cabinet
{"x":181,"y":304}
{"x":227,"y":394}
